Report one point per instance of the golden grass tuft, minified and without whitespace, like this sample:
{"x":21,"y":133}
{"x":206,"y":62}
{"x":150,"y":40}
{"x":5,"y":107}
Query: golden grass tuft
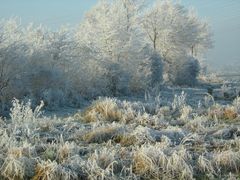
{"x":222,"y":113}
{"x":204,"y":165}
{"x":228,"y":160}
{"x":126,"y":140}
{"x":142,"y":164}
{"x":15,"y":152}
{"x":215,"y":112}
{"x":12,"y":168}
{"x":229,"y":113}
{"x":101,"y":134}
{"x":103,"y":110}
{"x":64,"y":151}
{"x":46,"y":170}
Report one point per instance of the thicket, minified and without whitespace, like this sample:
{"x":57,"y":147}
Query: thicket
{"x":120,"y":47}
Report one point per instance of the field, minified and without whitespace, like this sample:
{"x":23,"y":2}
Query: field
{"x":159,"y":136}
{"x":127,"y":93}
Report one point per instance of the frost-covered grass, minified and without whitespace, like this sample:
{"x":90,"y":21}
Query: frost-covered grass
{"x":119,"y":139}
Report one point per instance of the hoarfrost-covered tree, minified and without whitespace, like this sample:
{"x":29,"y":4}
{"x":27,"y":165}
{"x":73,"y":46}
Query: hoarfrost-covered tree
{"x":11,"y":57}
{"x":51,"y":58}
{"x":176,"y":32}
{"x":199,"y":35}
{"x":112,"y":34}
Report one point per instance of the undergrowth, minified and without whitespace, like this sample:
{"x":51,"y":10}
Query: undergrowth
{"x":114,"y":139}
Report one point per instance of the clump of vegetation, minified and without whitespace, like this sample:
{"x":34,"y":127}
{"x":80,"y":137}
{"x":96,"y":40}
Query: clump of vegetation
{"x":46,"y":170}
{"x":227,"y":160}
{"x":12,"y":167}
{"x":125,"y":139}
{"x":152,"y":163}
{"x":65,"y":151}
{"x":219,"y":112}
{"x":50,"y":153}
{"x":205,"y":166}
{"x":230,"y":113}
{"x":103,"y":164}
{"x":23,"y":113}
{"x":102,"y":134}
{"x":103,"y":110}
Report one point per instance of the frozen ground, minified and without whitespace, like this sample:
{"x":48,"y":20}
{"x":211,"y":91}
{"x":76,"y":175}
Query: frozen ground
{"x":179,"y":134}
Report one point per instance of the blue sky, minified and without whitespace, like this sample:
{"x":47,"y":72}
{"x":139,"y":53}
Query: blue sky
{"x":223,"y":15}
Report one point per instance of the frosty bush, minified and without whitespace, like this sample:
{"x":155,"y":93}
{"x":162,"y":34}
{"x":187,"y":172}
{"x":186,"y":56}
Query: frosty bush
{"x":236,"y":104}
{"x":22,"y":112}
{"x":179,"y":101}
{"x":184,"y":72}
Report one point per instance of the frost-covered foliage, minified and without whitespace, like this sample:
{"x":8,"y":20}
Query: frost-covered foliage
{"x":121,"y":47}
{"x":176,"y":33}
{"x":11,"y":58}
{"x":119,"y":139}
{"x":23,"y":113}
{"x":36,"y":64}
{"x":111,"y":34}
{"x":174,"y":30}
{"x":184,"y":72}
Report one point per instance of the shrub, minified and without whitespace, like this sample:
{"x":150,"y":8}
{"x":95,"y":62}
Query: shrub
{"x":22,"y":112}
{"x":179,"y":101}
{"x":236,"y":104}
{"x":184,"y":72}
